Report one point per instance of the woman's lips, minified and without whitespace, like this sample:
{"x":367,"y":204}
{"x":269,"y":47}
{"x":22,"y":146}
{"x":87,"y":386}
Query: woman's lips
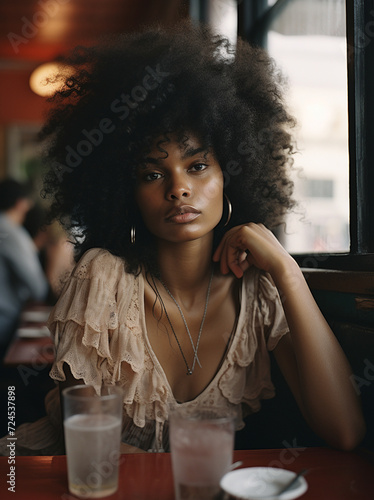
{"x":183,"y":218}
{"x":183,"y":214}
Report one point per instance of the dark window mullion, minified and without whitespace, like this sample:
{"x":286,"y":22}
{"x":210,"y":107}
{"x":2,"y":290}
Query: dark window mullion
{"x":199,"y":10}
{"x":360,"y":54}
{"x":254,"y":18}
{"x":353,"y":178}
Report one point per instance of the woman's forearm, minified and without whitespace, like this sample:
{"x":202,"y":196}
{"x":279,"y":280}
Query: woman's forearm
{"x":324,"y":381}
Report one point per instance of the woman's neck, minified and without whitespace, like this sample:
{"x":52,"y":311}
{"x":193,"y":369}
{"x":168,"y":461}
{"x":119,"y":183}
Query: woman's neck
{"x":186,"y":268}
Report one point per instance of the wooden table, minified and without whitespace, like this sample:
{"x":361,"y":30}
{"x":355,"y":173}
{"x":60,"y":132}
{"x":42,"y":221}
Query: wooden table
{"x":333,"y":475}
{"x":26,"y":349}
{"x":34,"y":352}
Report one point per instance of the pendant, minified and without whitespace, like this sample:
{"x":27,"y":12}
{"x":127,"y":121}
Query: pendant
{"x":189,"y":371}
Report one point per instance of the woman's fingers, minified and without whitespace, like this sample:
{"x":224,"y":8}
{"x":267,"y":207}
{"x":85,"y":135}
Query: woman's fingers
{"x":247,"y":245}
{"x":239,"y":264}
{"x":231,"y":253}
{"x":235,"y":258}
{"x":250,"y":245}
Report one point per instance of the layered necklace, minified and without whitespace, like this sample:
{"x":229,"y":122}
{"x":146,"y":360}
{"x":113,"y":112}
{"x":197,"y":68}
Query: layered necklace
{"x":190,"y":369}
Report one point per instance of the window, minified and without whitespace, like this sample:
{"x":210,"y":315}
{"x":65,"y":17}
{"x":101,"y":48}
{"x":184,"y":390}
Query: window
{"x":270,"y":23}
{"x":319,"y":188}
{"x":338,"y":196}
{"x":307,"y":40}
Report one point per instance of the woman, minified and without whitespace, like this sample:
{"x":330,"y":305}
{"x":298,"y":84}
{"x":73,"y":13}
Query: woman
{"x":170,"y":154}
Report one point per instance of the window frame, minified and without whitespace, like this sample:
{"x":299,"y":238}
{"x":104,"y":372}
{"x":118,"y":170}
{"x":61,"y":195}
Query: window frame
{"x":254,"y":19}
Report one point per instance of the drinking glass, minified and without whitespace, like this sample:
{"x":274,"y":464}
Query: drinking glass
{"x":201,"y":445}
{"x":92,"y":428}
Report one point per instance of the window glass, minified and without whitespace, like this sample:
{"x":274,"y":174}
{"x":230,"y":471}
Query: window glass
{"x":307,"y":40}
{"x":223,"y":17}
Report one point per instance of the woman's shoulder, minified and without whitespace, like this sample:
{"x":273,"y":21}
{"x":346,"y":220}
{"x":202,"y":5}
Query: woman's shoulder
{"x":96,"y":262}
{"x":97,"y":256}
{"x":99,"y":265}
{"x":98,"y":281}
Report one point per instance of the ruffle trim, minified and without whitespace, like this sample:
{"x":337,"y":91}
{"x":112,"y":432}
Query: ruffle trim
{"x":96,"y":346}
{"x":245,"y":380}
{"x":146,"y":396}
{"x":90,"y":284}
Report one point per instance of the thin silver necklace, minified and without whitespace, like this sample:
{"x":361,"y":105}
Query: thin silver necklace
{"x":195,"y":349}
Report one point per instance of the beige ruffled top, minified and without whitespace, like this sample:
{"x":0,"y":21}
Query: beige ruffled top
{"x":99,"y":330}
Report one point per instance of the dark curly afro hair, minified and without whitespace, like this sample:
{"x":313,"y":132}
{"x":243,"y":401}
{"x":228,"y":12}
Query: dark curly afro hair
{"x":133,"y":88}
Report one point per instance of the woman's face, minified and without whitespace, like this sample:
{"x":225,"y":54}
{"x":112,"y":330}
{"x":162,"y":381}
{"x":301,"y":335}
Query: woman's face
{"x":180,"y":191}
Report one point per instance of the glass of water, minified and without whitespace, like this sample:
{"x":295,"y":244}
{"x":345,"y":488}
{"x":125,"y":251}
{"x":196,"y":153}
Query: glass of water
{"x":92,"y":428}
{"x":201,"y":445}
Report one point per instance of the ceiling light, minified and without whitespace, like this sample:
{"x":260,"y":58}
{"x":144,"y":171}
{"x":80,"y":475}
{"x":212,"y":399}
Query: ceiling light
{"x":46,"y":79}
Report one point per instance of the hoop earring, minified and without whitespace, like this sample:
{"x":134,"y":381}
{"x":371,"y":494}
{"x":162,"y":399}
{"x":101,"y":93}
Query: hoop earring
{"x":132,"y":235}
{"x":229,"y":206}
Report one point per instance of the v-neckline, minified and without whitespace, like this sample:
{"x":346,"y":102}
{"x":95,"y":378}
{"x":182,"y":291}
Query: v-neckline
{"x":156,"y":362}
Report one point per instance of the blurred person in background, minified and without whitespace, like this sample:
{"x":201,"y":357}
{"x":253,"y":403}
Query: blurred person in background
{"x":55,"y":251}
{"x":21,"y":275}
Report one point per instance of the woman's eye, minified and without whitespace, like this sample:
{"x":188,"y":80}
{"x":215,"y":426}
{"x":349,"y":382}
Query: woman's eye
{"x":199,"y":167}
{"x":152,"y":176}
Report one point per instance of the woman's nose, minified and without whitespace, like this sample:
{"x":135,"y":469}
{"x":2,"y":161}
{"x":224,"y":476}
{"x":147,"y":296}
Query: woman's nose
{"x":178,"y":188}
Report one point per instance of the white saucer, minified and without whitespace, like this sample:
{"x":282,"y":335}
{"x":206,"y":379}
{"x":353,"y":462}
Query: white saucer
{"x":262,"y":483}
